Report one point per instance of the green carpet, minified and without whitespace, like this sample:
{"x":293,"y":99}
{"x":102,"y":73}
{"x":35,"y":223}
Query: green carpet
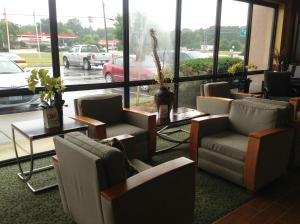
{"x":215,"y":197}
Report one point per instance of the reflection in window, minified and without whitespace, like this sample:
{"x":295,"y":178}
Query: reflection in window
{"x":232,"y":34}
{"x":197,"y":37}
{"x":144,"y":16}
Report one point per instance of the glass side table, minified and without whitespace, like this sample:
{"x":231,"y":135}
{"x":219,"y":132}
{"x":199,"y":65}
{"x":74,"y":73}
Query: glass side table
{"x":34,"y":130}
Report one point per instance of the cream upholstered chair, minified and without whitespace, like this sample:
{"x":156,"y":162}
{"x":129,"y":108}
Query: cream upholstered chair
{"x":95,"y":188}
{"x":250,"y":146}
{"x":216,"y":97}
{"x":107,"y":118}
{"x":294,"y":121}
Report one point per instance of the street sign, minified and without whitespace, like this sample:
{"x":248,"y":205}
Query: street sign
{"x":243,"y":31}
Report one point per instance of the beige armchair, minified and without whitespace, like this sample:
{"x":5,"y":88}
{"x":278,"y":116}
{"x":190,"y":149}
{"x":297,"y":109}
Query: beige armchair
{"x":107,"y":118}
{"x":95,"y":188}
{"x":292,"y":116}
{"x":250,"y":146}
{"x":216,"y":97}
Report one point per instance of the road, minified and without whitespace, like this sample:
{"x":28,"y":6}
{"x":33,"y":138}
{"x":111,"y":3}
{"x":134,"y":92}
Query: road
{"x":74,"y":76}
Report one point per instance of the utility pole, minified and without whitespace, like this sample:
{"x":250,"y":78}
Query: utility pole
{"x":37,"y":34}
{"x":7,"y":30}
{"x":105,"y":28}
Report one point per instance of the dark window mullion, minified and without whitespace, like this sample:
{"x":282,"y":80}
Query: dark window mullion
{"x":273,"y":37}
{"x":177,"y":50}
{"x":248,"y":36}
{"x":217,"y":39}
{"x":126,"y":52}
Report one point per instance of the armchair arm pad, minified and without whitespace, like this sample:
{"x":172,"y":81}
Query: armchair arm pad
{"x":146,"y":121}
{"x":203,"y":126}
{"x":243,"y":95}
{"x":137,"y":118}
{"x":295,"y":101}
{"x":267,"y":156}
{"x":168,"y":187}
{"x":96,"y":128}
{"x":213,"y":105}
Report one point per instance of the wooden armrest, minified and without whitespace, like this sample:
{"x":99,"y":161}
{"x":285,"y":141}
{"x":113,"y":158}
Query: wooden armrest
{"x":295,"y":102}
{"x":210,"y":117}
{"x":139,"y":112}
{"x":100,"y":130}
{"x":255,"y":146}
{"x":144,"y":177}
{"x":216,"y":98}
{"x":248,"y":94}
{"x":266,"y":132}
{"x":55,"y":158}
{"x":87,"y":120}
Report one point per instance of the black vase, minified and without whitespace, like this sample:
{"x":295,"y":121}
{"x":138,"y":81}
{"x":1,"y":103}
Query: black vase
{"x":244,"y":85}
{"x":164,"y":99}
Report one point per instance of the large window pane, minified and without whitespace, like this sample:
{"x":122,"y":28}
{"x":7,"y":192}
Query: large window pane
{"x":24,"y":44}
{"x":261,"y":36}
{"x":90,"y":36}
{"x":232,"y":34}
{"x":197,"y":37}
{"x":145,"y":15}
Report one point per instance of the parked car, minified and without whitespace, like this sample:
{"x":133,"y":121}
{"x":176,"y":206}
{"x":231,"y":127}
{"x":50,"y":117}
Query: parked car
{"x":16,"y":58}
{"x":85,"y":56}
{"x":168,"y":57}
{"x":13,"y":77}
{"x":113,"y":71}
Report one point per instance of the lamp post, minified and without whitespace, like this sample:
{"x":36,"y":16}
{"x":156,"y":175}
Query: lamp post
{"x":7,"y":30}
{"x":105,"y":28}
{"x":37,"y":34}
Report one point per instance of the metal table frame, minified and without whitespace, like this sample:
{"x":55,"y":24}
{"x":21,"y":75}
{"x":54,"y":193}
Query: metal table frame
{"x":25,"y":176}
{"x":186,"y":117}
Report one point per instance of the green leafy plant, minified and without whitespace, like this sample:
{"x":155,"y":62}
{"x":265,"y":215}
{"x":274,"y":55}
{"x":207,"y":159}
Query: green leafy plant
{"x":239,"y":68}
{"x":50,"y":86}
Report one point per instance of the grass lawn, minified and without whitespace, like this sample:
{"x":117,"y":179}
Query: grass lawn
{"x":141,"y":100}
{"x":43,"y":59}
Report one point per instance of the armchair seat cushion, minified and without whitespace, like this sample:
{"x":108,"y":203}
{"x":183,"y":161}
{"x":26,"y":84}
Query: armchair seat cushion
{"x":227,"y":143}
{"x":121,"y":128}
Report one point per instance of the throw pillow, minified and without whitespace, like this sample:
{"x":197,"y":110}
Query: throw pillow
{"x":130,"y":169}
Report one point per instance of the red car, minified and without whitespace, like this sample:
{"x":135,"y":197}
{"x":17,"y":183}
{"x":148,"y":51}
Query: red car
{"x":113,"y":70}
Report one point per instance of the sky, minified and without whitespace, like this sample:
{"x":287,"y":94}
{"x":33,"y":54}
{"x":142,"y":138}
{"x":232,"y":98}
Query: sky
{"x":195,"y":13}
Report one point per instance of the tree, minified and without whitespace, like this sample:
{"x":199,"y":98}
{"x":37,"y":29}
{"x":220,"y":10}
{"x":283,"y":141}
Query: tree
{"x":118,"y":31}
{"x":13,"y":32}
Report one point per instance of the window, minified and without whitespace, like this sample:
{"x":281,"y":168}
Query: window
{"x":143,"y":16}
{"x":24,"y":41}
{"x":261,"y":36}
{"x":197,"y":37}
{"x":97,"y":25}
{"x":233,"y":34}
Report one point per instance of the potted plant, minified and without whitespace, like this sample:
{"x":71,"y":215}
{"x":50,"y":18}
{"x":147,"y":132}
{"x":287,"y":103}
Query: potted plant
{"x":238,"y":74}
{"x":51,"y":86}
{"x":163,"y":97}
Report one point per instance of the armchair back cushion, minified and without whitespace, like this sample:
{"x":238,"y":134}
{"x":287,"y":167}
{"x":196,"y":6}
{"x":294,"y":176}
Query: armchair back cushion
{"x":106,"y":108}
{"x":277,"y":83}
{"x":246,"y":117}
{"x":218,"y":89}
{"x":285,"y":109}
{"x":112,"y":169}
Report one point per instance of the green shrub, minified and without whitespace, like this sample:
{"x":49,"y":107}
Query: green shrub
{"x":203,"y":66}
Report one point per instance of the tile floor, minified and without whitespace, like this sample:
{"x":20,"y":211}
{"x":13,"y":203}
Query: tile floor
{"x":279,"y":203}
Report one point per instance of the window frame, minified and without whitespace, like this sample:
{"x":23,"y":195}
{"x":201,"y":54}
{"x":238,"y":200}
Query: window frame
{"x":127,"y":83}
